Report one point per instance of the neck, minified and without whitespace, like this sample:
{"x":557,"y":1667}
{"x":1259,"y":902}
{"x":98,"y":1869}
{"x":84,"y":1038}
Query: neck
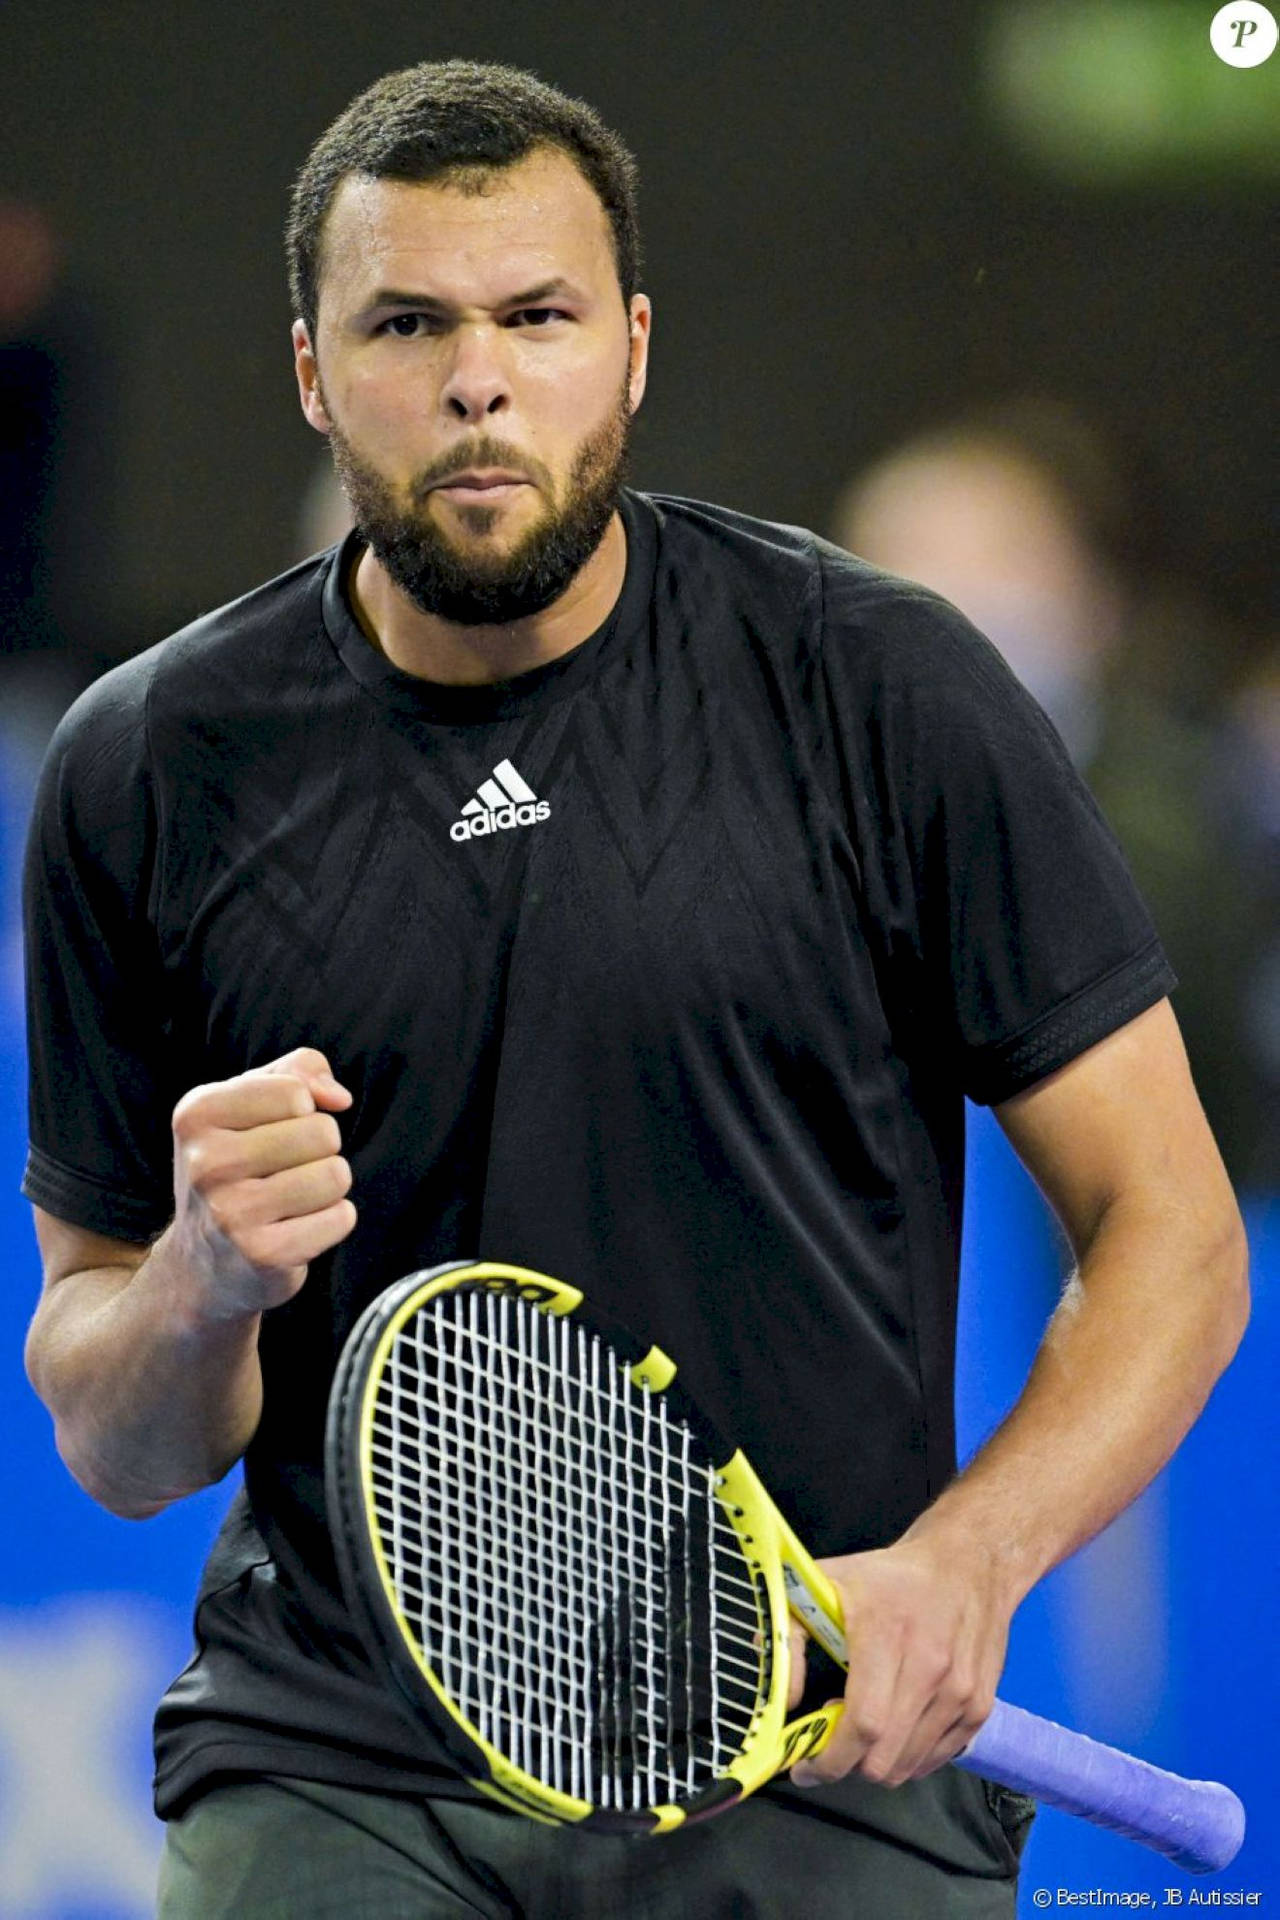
{"x":434,"y":649}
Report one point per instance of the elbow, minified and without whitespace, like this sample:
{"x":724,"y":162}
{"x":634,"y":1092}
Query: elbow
{"x":78,"y":1461}
{"x":1223,"y":1268}
{"x":122,"y":1508}
{"x":1236,"y":1296}
{"x":123,"y":1503}
{"x":33,"y":1362}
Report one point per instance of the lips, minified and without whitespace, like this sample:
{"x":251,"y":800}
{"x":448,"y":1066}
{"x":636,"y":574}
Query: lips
{"x":488,"y":481}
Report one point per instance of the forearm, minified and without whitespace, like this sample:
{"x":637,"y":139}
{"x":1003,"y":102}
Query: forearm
{"x":1119,"y":1145}
{"x":150,"y":1400}
{"x":1146,"y":1325}
{"x":149,"y":1365}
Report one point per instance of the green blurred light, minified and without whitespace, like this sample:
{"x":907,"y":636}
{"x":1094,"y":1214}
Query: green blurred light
{"x":1129,"y":90}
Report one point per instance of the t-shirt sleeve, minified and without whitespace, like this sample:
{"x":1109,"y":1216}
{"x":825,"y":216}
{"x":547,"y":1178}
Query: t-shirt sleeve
{"x":1013,"y":935}
{"x":100,"y":1151}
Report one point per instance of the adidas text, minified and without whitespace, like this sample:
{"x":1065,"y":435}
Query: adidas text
{"x":494,"y":819}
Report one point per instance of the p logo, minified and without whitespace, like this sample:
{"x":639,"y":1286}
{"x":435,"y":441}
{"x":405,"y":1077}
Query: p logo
{"x":1244,"y":34}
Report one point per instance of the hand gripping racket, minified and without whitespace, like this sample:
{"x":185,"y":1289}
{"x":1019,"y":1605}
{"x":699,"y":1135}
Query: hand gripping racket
{"x":585,"y":1592}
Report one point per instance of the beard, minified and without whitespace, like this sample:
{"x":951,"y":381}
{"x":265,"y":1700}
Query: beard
{"x":477,"y":589}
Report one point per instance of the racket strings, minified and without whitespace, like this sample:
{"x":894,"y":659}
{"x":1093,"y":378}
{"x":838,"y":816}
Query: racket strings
{"x":418,"y":1444}
{"x":557,"y":1552}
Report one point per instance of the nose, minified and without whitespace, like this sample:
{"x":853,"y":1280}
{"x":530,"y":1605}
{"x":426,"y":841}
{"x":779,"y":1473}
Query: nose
{"x":476,"y":385}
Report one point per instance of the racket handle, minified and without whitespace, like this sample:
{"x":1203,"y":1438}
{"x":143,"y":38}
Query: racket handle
{"x":1197,"y":1824}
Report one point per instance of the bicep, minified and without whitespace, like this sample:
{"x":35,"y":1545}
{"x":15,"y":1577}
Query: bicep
{"x":66,"y":1249}
{"x":1122,"y":1124}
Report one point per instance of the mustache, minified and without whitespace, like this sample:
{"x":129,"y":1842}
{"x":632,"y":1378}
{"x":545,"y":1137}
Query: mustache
{"x":485,"y":451}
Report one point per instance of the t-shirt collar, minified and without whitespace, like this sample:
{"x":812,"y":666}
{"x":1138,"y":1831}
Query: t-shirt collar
{"x":434,"y":700}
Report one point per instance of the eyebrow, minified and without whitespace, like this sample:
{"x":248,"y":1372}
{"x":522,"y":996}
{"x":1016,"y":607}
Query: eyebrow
{"x":398,"y":297}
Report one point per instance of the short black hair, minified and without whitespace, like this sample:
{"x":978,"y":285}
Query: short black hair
{"x":455,"y":117}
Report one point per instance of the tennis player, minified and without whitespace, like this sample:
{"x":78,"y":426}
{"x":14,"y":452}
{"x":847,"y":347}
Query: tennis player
{"x":624,"y":887}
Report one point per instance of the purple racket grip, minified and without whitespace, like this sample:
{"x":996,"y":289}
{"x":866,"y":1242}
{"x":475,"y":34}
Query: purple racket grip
{"x":1197,"y":1824}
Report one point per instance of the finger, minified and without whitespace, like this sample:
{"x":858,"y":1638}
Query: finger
{"x":933,"y":1696}
{"x":285,"y":1244}
{"x":287,"y":1195}
{"x":230,"y":1154}
{"x":867,"y":1718}
{"x":312,"y":1067}
{"x":250,"y":1100}
{"x":935,"y":1751}
{"x":935,"y":1738}
{"x":941,"y":1736}
{"x":910,"y":1740}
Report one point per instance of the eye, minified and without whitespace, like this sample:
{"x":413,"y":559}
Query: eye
{"x":537,"y":316}
{"x":406,"y":326}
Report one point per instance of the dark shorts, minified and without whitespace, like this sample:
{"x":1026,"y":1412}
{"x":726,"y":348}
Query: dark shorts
{"x":297,"y":1850}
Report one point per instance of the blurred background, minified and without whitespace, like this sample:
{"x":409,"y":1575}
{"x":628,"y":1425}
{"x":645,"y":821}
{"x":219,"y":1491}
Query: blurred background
{"x":983,"y":290}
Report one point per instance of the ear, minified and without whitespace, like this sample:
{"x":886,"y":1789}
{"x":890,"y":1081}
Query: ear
{"x":308,"y":375}
{"x":640,"y":322}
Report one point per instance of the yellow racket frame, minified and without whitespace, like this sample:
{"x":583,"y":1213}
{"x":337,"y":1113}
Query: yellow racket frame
{"x":791,"y":1579}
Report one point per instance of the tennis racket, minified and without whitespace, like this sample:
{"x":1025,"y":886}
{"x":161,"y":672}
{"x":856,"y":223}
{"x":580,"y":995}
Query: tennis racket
{"x":585,"y":1592}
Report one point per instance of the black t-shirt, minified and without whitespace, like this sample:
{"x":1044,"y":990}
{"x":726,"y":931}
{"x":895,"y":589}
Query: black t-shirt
{"x":663,"y":968}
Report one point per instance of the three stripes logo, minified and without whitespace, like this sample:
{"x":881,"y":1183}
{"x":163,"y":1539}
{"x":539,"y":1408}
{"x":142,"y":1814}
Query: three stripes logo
{"x":504,"y":800}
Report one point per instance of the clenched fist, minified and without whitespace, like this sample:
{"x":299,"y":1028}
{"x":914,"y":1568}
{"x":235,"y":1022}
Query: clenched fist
{"x":260,"y":1184}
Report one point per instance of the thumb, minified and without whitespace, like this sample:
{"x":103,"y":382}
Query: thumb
{"x":309,"y":1065}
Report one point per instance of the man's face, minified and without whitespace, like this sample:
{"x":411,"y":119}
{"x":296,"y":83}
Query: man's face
{"x":476,"y":372}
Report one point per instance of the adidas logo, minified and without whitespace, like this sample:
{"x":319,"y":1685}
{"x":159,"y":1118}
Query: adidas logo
{"x":504,"y":801}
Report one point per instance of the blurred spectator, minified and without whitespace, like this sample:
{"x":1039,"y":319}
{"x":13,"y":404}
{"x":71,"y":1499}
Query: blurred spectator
{"x":29,"y":408}
{"x":1022,"y":516}
{"x":1250,"y":771}
{"x":56,"y":491}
